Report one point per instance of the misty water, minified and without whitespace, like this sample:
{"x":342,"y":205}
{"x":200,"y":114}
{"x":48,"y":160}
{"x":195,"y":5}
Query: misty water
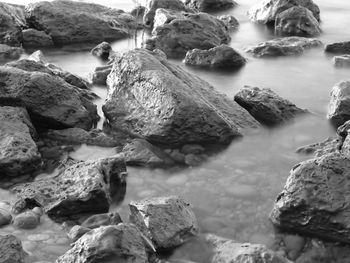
{"x":234,"y":191}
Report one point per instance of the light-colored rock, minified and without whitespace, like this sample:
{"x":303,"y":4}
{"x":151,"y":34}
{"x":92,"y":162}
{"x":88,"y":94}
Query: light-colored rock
{"x":102,"y":50}
{"x":339,"y":105}
{"x":11,"y":250}
{"x":77,"y":232}
{"x":338,"y":47}
{"x":10,"y":53}
{"x":26,"y":220}
{"x":12,"y":20}
{"x":342,"y":61}
{"x":318,"y":149}
{"x":210,"y":5}
{"x":35,"y":38}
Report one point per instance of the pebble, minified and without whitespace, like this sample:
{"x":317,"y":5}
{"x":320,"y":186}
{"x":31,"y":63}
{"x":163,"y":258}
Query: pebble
{"x":27,"y":220}
{"x":177,"y":180}
{"x":38,"y":237}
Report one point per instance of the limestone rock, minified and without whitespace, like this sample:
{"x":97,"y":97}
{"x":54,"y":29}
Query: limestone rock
{"x":339,"y":47}
{"x":210,"y":5}
{"x":35,"y":38}
{"x":11,"y":250}
{"x":339,"y":105}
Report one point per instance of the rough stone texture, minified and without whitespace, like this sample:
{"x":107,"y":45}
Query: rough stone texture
{"x":69,"y":22}
{"x":5,"y":213}
{"x":12,"y":20}
{"x":159,"y":101}
{"x":342,"y":61}
{"x":98,"y":220}
{"x":267,"y":10}
{"x":266,"y":106}
{"x":230,"y":21}
{"x":50,"y":101}
{"x":184,"y":31}
{"x":297,"y":21}
{"x":222,"y":56}
{"x":11,"y":250}
{"x":10,"y":53}
{"x":286,"y":46}
{"x":210,"y":5}
{"x":19,"y":153}
{"x":77,"y":232}
{"x":339,"y":105}
{"x":338,"y":48}
{"x":100,"y":74}
{"x":121,"y":243}
{"x":167,"y":221}
{"x":35,"y":38}
{"x":102,"y":50}
{"x":315,"y":197}
{"x":83,"y":188}
{"x":344,"y":132}
{"x":319,"y":149}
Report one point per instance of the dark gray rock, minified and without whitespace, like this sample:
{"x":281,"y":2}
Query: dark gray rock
{"x":338,"y":48}
{"x":342,"y":61}
{"x":339,"y":105}
{"x":230,"y":21}
{"x":102,"y":50}
{"x":10,"y":53}
{"x":98,"y":220}
{"x":11,"y":250}
{"x":210,"y":5}
{"x":12,"y":21}
{"x":138,"y":12}
{"x":26,"y":220}
{"x":100,"y":74}
{"x":35,"y":38}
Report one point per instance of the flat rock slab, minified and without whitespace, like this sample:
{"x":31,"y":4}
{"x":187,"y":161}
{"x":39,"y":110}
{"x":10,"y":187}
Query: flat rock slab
{"x":338,"y":48}
{"x":210,"y":5}
{"x":11,"y":250}
{"x":339,"y":105}
{"x":342,"y":61}
{"x":315,"y":199}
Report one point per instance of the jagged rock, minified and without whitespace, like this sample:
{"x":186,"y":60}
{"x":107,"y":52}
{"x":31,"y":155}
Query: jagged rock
{"x":35,"y":38}
{"x":222,"y":56}
{"x":10,"y":53}
{"x":339,"y":105}
{"x":286,"y":46}
{"x":121,"y":243}
{"x":267,"y":10}
{"x":297,"y":21}
{"x":99,"y":76}
{"x":69,"y":22}
{"x":230,"y":21}
{"x":210,"y":5}
{"x":98,"y":220}
{"x":266,"y":106}
{"x":185,"y":31}
{"x":167,"y":221}
{"x":11,"y":250}
{"x":82,"y":188}
{"x":159,"y":101}
{"x":319,"y":149}
{"x":102,"y":50}
{"x":77,"y":232}
{"x":342,"y":61}
{"x":339,"y":47}
{"x":12,"y":20}
{"x":19,"y":153}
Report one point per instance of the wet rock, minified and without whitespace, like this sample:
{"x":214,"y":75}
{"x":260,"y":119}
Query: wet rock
{"x":286,"y":46}
{"x":266,"y":106}
{"x":121,"y":243}
{"x":12,"y":20}
{"x":267,"y":10}
{"x":327,"y":146}
{"x":185,"y":31}
{"x":10,"y":53}
{"x":230,"y":21}
{"x":26,"y":220}
{"x":339,"y":105}
{"x":297,"y":21}
{"x":5,"y":213}
{"x":342,"y":61}
{"x":98,"y":220}
{"x":11,"y":250}
{"x":102,"y":50}
{"x":82,"y":188}
{"x":156,"y":100}
{"x":340,"y":47}
{"x":100,"y":74}
{"x":19,"y":153}
{"x":167,"y":221}
{"x":313,"y":199}
{"x":77,"y":232}
{"x":69,"y":22}
{"x":210,"y":5}
{"x":222,"y":56}
{"x":36,"y":38}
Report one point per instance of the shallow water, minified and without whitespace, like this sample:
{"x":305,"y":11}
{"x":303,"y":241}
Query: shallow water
{"x":233,"y":192}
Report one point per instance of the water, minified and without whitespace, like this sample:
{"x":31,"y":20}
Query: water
{"x":233,"y":192}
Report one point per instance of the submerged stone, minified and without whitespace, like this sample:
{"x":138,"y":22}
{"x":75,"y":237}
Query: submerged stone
{"x":339,"y":47}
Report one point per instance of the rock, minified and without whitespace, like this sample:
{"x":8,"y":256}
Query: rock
{"x":102,"y":50}
{"x":19,"y":153}
{"x":121,"y":243}
{"x":297,"y":21}
{"x":10,"y":53}
{"x":82,"y":188}
{"x":98,"y":220}
{"x":154,"y":99}
{"x":210,"y":5}
{"x":342,"y":61}
{"x":340,"y":47}
{"x":139,"y":152}
{"x":222,"y":56}
{"x":99,"y":76}
{"x":69,"y":22}
{"x":26,"y":220}
{"x":50,"y":101}
{"x":286,"y":46}
{"x":267,"y":10}
{"x":266,"y":106}
{"x":11,"y":250}
{"x":35,"y":38}
{"x":12,"y":20}
{"x":314,"y":197}
{"x":230,"y":21}
{"x":38,"y":56}
{"x":185,"y":31}
{"x":5,"y":213}
{"x":192,"y":149}
{"x":77,"y":232}
{"x":37,"y":210}
{"x":339,"y":105}
{"x":344,"y":132}
{"x":167,"y":221}
{"x":327,"y":146}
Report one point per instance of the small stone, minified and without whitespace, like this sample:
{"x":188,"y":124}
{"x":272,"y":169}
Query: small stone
{"x":77,"y":232}
{"x":27,"y":220}
{"x":37,"y":210}
{"x":102,"y":50}
{"x":294,"y":242}
{"x":98,"y":220}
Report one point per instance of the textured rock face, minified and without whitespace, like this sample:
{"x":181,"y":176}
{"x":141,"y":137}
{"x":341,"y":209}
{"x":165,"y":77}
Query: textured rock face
{"x":327,"y":146}
{"x":49,"y":100}
{"x":83,"y":188}
{"x":314,"y":199}
{"x":339,"y":105}
{"x":69,"y":22}
{"x":99,"y":76}
{"x":12,"y":20}
{"x":11,"y":250}
{"x":267,"y":10}
{"x":266,"y":106}
{"x":286,"y":46}
{"x":102,"y":50}
{"x":222,"y":56}
{"x":340,"y":47}
{"x":35,"y":38}
{"x":184,"y":31}
{"x":230,"y":21}
{"x":210,"y":5}
{"x":19,"y":153}
{"x":154,"y":99}
{"x":342,"y":61}
{"x":297,"y":21}
{"x":10,"y":53}
{"x":121,"y":243}
{"x":167,"y":221}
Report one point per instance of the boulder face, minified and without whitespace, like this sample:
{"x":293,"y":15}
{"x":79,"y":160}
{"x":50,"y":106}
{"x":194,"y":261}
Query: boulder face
{"x":69,"y":22}
{"x":83,"y":188}
{"x":167,"y":221}
{"x":11,"y":250}
{"x":339,"y":105}
{"x":19,"y":153}
{"x":154,"y":99}
{"x":266,"y":106}
{"x":210,"y":5}
{"x":12,"y":21}
{"x":314,"y":199}
{"x":340,"y":47}
{"x":121,"y":243}
{"x":297,"y":21}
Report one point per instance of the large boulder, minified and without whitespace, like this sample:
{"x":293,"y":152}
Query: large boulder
{"x":180,"y":32}
{"x":159,"y":101}
{"x":297,"y":21}
{"x":69,"y":22}
{"x":12,"y":22}
{"x":11,"y":250}
{"x":315,"y":197}
{"x":167,"y":221}
{"x":286,"y":46}
{"x":210,"y":5}
{"x":339,"y":105}
{"x":19,"y":153}
{"x":266,"y":106}
{"x":10,"y":53}
{"x":339,"y":47}
{"x":82,"y":188}
{"x":121,"y":243}
{"x":36,"y":38}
